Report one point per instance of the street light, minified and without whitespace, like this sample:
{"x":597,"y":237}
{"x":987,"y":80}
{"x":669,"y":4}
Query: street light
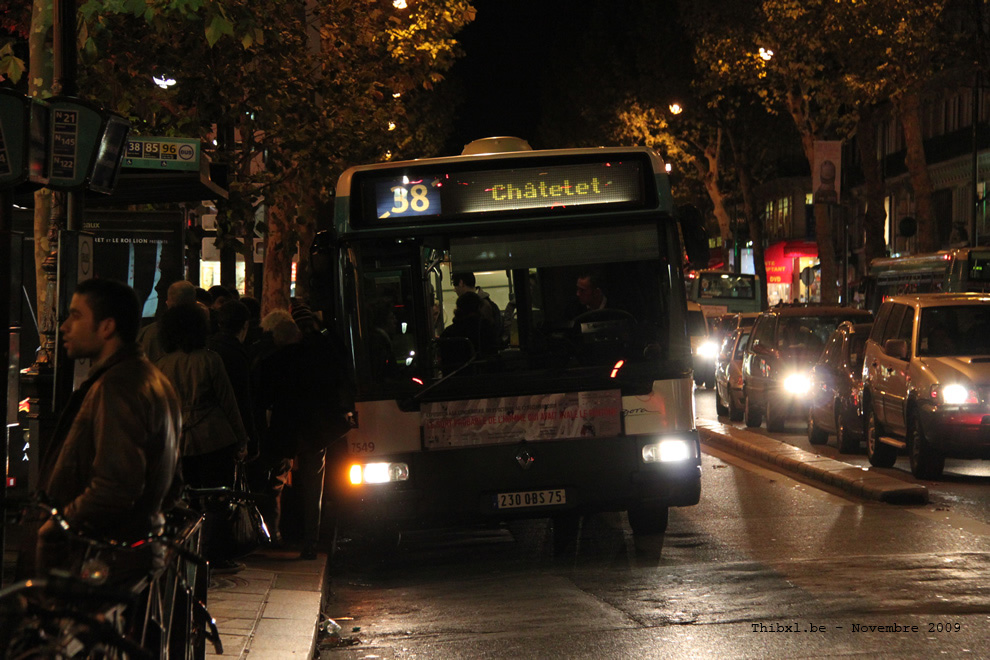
{"x":766,"y":54}
{"x":675,"y":108}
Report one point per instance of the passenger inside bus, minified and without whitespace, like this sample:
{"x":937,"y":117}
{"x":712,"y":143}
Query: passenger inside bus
{"x":590,"y":293}
{"x":471,"y":333}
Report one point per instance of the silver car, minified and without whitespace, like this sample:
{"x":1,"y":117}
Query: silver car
{"x":728,"y":375}
{"x":926,"y":381}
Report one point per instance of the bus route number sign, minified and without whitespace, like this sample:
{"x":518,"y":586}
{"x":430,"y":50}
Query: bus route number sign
{"x":408,"y":199}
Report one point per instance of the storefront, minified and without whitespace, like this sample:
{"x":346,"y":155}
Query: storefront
{"x":786,"y":261}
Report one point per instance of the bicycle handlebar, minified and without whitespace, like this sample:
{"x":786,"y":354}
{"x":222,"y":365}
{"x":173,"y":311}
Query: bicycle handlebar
{"x":172,"y":544}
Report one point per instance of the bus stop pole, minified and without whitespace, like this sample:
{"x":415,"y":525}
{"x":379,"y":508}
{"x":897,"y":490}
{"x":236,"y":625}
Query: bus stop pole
{"x":6,"y":296}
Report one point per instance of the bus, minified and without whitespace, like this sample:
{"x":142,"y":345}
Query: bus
{"x":573,"y":412}
{"x":947,"y":271}
{"x":722,"y":292}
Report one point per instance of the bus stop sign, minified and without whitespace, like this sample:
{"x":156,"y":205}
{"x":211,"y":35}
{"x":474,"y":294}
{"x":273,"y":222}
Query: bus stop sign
{"x":86,"y":146}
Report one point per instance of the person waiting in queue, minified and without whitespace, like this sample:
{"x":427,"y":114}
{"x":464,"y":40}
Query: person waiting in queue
{"x":112,"y":464}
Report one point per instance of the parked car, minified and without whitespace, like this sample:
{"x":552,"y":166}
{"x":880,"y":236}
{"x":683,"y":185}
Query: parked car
{"x":784,"y":344}
{"x":926,"y":381}
{"x":703,"y":347}
{"x":837,"y":389}
{"x":728,"y":375}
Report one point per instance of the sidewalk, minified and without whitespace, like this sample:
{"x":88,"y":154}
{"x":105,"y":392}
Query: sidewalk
{"x":271,"y":609}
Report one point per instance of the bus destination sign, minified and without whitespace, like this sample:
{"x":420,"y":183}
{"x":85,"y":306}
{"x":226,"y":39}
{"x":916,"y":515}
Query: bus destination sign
{"x":450,"y":194}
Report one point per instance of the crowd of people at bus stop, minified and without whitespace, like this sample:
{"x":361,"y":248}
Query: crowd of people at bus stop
{"x":208,"y":395}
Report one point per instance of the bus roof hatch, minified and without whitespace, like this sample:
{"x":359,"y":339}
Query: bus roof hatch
{"x":495,"y":145}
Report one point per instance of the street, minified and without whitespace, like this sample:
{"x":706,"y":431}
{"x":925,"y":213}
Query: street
{"x":764,"y":566}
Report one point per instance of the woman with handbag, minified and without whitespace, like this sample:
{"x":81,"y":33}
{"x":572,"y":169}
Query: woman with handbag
{"x":213,"y":435}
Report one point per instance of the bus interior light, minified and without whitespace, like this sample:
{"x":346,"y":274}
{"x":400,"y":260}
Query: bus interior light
{"x":668,"y":450}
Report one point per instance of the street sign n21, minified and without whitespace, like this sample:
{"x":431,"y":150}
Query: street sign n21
{"x":86,"y":145}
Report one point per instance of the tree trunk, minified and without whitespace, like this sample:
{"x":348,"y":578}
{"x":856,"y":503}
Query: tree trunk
{"x":304,"y":271}
{"x":247,"y":252}
{"x":710,"y":177}
{"x":866,"y":138}
{"x":277,"y":279}
{"x":753,"y":220}
{"x":718,"y":202}
{"x":908,"y":107}
{"x":829,"y":283}
{"x":39,"y":84}
{"x":829,"y":289}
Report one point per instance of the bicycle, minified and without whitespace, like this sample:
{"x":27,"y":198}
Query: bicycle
{"x":78,"y":615}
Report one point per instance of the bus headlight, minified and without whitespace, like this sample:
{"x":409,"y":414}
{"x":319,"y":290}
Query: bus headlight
{"x":668,"y":450}
{"x":708,"y":349}
{"x":798,"y":384}
{"x":378,"y":473}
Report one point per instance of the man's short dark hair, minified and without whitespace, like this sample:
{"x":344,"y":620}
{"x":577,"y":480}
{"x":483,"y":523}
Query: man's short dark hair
{"x":594,"y":277}
{"x":466,"y":276}
{"x":203,"y":296}
{"x":219,"y":291}
{"x":116,"y":300}
{"x":232,"y":316}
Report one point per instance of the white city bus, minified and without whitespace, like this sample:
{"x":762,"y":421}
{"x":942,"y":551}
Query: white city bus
{"x":723,"y":292}
{"x":571,"y":413}
{"x":949,"y":271}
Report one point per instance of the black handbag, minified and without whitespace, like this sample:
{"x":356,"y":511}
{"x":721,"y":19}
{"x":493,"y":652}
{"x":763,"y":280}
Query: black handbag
{"x":234,"y":526}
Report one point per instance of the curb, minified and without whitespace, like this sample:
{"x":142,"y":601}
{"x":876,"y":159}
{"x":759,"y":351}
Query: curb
{"x":803,"y":464}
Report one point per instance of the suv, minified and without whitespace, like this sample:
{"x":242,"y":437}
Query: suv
{"x":926,"y":381}
{"x":784,"y":345}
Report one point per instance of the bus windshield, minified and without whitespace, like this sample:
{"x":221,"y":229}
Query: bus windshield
{"x":726,"y":285}
{"x":572,"y":307}
{"x":721,"y":292}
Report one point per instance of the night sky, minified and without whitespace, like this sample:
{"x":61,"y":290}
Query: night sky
{"x":518,"y":50}
{"x":501,"y":72}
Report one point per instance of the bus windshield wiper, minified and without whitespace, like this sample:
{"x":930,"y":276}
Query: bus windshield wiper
{"x":414,"y":400}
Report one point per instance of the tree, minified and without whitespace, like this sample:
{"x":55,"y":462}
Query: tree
{"x":292,"y":94}
{"x":891,"y":51}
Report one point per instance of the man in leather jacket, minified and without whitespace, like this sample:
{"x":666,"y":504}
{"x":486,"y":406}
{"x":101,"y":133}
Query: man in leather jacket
{"x":111,"y":467}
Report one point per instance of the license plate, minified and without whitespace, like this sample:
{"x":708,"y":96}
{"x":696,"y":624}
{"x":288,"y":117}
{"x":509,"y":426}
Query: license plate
{"x":550,"y":497}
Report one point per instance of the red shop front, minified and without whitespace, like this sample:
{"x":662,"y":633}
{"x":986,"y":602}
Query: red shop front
{"x":786,"y":261}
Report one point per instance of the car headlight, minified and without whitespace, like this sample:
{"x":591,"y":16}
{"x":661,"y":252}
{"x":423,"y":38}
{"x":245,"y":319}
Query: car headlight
{"x":668,"y":450}
{"x":708,"y":349}
{"x":954,"y":394}
{"x":378,"y":473}
{"x":798,"y":384}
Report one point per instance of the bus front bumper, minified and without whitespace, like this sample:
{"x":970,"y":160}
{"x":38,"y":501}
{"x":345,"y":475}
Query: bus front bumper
{"x":524,"y":480}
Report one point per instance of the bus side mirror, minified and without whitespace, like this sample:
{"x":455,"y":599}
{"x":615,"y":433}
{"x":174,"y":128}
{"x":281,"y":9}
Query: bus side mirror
{"x":695,"y":236}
